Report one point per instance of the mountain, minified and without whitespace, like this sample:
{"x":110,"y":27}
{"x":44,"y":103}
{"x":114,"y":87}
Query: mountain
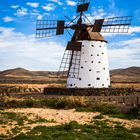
{"x":18,"y":72}
{"x":128,"y":74}
{"x":21,"y":72}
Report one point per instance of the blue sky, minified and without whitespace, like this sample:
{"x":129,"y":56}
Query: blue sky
{"x":19,"y":48}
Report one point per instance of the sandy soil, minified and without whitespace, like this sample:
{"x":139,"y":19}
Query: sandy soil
{"x":65,"y":116}
{"x":59,"y":117}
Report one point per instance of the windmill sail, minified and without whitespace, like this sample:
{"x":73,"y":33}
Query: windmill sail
{"x":71,"y":59}
{"x":116,"y":24}
{"x":82,"y":7}
{"x":48,"y":28}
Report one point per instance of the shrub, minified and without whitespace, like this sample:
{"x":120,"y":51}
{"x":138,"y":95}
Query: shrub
{"x":74,"y":101}
{"x":29,"y":103}
{"x":134,"y":112}
{"x":100,"y":116}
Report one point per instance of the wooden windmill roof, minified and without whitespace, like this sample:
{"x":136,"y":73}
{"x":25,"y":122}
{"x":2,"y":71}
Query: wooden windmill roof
{"x":89,"y":35}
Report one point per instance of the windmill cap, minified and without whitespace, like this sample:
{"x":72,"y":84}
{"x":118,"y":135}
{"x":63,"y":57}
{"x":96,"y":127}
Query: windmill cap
{"x":96,"y":36}
{"x":87,"y":34}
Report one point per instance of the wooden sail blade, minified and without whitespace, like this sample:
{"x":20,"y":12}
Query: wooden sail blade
{"x":60,"y":27}
{"x":82,"y":7}
{"x":97,"y":25}
{"x":74,"y":46}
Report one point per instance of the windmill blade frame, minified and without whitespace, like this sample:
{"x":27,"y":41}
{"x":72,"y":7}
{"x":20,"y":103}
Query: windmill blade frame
{"x":48,"y":28}
{"x":116,"y":24}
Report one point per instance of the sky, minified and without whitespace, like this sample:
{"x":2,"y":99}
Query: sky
{"x":19,"y":48}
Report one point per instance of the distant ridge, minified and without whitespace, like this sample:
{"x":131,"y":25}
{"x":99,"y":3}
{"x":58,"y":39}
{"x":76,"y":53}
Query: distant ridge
{"x":17,"y":72}
{"x":131,"y":73}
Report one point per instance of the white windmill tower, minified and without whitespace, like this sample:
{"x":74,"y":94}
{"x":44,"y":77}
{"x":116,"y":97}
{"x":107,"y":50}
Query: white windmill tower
{"x":85,"y":58}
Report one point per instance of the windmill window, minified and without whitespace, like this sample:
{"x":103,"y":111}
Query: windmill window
{"x":90,"y":69}
{"x":102,"y":53}
{"x":91,"y":61}
{"x":100,"y":46}
{"x":103,"y":85}
{"x":71,"y":85}
{"x":80,"y":79}
{"x":99,"y":61}
{"x":89,"y":85}
{"x":98,"y":71}
{"x":103,"y":68}
{"x":97,"y":78}
{"x":82,"y":67}
{"x":97,"y":54}
{"x":91,"y":54}
{"x":92,"y":45}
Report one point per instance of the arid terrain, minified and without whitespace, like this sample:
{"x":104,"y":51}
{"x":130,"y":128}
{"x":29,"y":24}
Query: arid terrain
{"x":26,"y":113}
{"x":129,"y":77}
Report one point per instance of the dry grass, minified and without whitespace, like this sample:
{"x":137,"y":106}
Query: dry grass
{"x":126,"y":85}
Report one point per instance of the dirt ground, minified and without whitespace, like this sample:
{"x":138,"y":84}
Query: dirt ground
{"x":56,"y":117}
{"x":116,"y":85}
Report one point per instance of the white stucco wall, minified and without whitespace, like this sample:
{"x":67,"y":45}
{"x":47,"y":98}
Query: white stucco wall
{"x":93,"y":69}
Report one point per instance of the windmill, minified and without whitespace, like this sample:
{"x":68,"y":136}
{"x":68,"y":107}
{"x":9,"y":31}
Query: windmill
{"x":85,"y":58}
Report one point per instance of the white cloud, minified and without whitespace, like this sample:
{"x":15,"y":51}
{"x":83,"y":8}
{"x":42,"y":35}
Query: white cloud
{"x":135,"y":41}
{"x":57,"y":1}
{"x":71,"y":3}
{"x":48,"y":7}
{"x":21,"y":12}
{"x":14,"y":6}
{"x":134,"y":29}
{"x":33,"y":4}
{"x":39,"y":17}
{"x":33,"y":54}
{"x":98,"y":13}
{"x":8,"y":19}
{"x":27,"y":52}
{"x":37,"y":14}
{"x":125,"y":54}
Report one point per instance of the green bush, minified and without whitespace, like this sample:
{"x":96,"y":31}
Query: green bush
{"x":100,"y":116}
{"x":103,"y":108}
{"x":54,"y":103}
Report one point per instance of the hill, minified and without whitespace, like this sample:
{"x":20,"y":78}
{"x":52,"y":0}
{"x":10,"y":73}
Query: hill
{"x":18,"y":72}
{"x":128,"y":74}
{"x":21,"y":72}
